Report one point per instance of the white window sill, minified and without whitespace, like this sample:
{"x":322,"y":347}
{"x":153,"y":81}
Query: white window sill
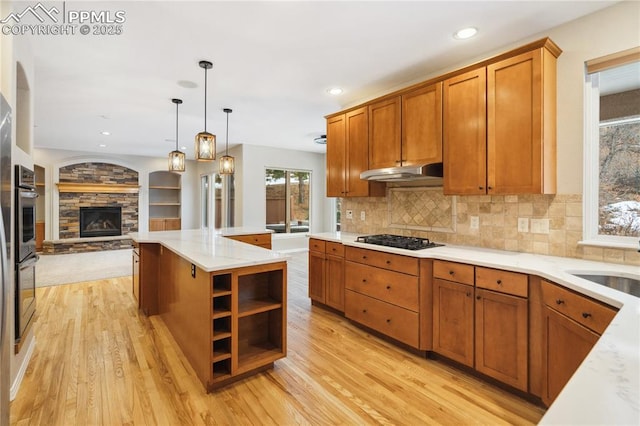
{"x":611,"y":244}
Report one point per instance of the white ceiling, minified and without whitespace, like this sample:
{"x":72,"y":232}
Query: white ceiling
{"x":272,"y":64}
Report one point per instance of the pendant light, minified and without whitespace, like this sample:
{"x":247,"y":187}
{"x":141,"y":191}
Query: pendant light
{"x":226,"y":161}
{"x":176,"y":158}
{"x":205,"y":141}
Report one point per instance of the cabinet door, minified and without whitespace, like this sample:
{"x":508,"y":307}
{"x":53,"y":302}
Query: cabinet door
{"x":334,"y":282}
{"x":565,"y":345}
{"x":316,"y":277}
{"x":464,"y":131}
{"x":422,"y":126}
{"x":502,"y":337}
{"x":384,"y":134}
{"x":357,"y":152}
{"x":336,"y":146}
{"x":172,"y":224}
{"x":156,"y":224}
{"x":453,"y":321}
{"x":514,"y":125}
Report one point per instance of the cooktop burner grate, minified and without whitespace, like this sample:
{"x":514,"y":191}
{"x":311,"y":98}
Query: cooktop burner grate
{"x":398,"y":241}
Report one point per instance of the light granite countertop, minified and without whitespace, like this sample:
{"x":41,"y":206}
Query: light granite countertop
{"x":209,"y":250}
{"x":606,"y":387}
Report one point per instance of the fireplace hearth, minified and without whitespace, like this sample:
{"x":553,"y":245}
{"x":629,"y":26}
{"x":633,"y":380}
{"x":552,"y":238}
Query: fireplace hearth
{"x":100,"y":221}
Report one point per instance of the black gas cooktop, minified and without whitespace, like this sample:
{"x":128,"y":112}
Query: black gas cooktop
{"x":398,"y":241}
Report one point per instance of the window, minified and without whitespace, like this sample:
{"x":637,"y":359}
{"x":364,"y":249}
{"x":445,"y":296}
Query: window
{"x":287,"y":200}
{"x":205,"y":202}
{"x":612,"y":151}
{"x":217,"y":200}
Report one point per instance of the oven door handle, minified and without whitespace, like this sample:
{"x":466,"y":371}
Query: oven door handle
{"x":29,"y":194}
{"x":29,"y":262}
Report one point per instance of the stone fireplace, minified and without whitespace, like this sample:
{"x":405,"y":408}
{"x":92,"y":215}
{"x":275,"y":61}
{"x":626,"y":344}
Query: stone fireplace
{"x":97,"y":208}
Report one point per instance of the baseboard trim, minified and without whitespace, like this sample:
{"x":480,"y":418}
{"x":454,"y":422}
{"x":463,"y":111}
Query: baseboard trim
{"x":22,"y":370}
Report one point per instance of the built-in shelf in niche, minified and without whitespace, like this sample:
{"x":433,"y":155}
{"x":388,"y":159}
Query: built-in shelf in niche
{"x":164,"y":201}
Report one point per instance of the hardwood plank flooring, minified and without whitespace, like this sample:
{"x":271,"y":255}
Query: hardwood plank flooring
{"x":99,"y":361}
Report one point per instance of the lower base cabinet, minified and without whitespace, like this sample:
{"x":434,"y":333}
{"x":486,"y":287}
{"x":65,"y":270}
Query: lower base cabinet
{"x":165,"y":224}
{"x":326,"y":273}
{"x":453,"y":321}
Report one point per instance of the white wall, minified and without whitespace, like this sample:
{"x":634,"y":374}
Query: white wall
{"x":53,"y":159}
{"x":253,"y":160}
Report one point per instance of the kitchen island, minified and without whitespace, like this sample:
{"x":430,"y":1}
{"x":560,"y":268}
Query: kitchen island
{"x":224,"y":301}
{"x":605,"y":389}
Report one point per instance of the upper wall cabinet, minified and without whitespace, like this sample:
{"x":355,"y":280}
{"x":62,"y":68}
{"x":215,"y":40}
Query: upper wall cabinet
{"x":406,"y":129}
{"x":347,"y":156}
{"x":499,"y":126}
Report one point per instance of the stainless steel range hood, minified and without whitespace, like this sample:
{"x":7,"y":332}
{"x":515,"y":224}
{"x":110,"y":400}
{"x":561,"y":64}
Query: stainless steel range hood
{"x":431,"y":172}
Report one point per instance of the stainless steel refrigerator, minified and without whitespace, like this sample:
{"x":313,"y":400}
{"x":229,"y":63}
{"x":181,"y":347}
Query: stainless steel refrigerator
{"x":5,"y":251}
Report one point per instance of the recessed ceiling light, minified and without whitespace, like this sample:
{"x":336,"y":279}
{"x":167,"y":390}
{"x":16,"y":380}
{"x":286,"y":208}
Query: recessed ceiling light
{"x":187,"y":84}
{"x":183,"y":147}
{"x":105,"y":133}
{"x":465,"y":33}
{"x":334,"y":91}
{"x":102,"y":145}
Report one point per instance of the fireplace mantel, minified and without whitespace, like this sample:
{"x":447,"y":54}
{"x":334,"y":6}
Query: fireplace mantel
{"x":107,"y":188}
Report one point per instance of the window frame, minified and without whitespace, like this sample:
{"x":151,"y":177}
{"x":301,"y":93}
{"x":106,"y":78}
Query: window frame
{"x":591,"y":156}
{"x":287,"y":172}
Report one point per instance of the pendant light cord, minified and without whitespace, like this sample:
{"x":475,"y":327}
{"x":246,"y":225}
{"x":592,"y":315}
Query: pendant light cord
{"x":205,"y":99}
{"x":227,"y":141}
{"x":177,"y":125}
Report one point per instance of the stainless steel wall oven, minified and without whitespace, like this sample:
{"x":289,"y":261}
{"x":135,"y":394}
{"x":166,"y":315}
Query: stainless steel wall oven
{"x":25,"y":256}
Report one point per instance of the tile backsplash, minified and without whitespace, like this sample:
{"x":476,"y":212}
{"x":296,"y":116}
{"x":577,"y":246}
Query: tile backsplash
{"x":540,"y":224}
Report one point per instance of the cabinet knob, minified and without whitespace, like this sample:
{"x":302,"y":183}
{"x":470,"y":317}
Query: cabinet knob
{"x":489,"y":188}
{"x":389,"y":321}
{"x":388,"y":287}
{"x":478,"y":297}
{"x":559,"y":302}
{"x":499,"y":282}
{"x":586,"y":315}
{"x":364,"y":311}
{"x":364,"y":257}
{"x":468,"y":293}
{"x":364,"y":280}
{"x":451,"y":273}
{"x":388,"y":262}
{"x":481,"y":187}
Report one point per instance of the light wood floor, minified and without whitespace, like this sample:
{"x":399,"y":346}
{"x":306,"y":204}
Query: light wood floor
{"x":98,"y":361}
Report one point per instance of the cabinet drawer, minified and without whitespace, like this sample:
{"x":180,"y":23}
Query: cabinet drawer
{"x":393,"y":321}
{"x":335,"y":249}
{"x":451,"y":271}
{"x":503,"y":281}
{"x":255,"y":239}
{"x":388,"y":286}
{"x":317,"y":245}
{"x":393,"y":262}
{"x":581,"y":309}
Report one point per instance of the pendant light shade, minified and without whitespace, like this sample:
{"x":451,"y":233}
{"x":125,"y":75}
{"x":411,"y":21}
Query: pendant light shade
{"x":205,"y":141}
{"x":227,"y":166}
{"x":176,"y":158}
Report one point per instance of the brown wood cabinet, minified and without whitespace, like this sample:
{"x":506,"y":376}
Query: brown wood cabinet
{"x":502,"y":326}
{"x":135,"y":274}
{"x":571,"y":326}
{"x":407,"y":129}
{"x":39,"y":235}
{"x":453,"y":320}
{"x":326,"y":273}
{"x":464,"y":133}
{"x":348,"y":156}
{"x":164,"y":224}
{"x":228,"y":323}
{"x":260,"y":240}
{"x":500,"y":126}
{"x":382,"y":292}
{"x":422,"y":125}
{"x":384,"y":133}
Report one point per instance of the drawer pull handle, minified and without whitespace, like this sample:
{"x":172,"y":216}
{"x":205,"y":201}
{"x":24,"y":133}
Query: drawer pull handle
{"x":388,"y":287}
{"x":586,"y":315}
{"x":451,"y":272}
{"x":559,"y":302}
{"x":499,"y":282}
{"x":468,"y":293}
